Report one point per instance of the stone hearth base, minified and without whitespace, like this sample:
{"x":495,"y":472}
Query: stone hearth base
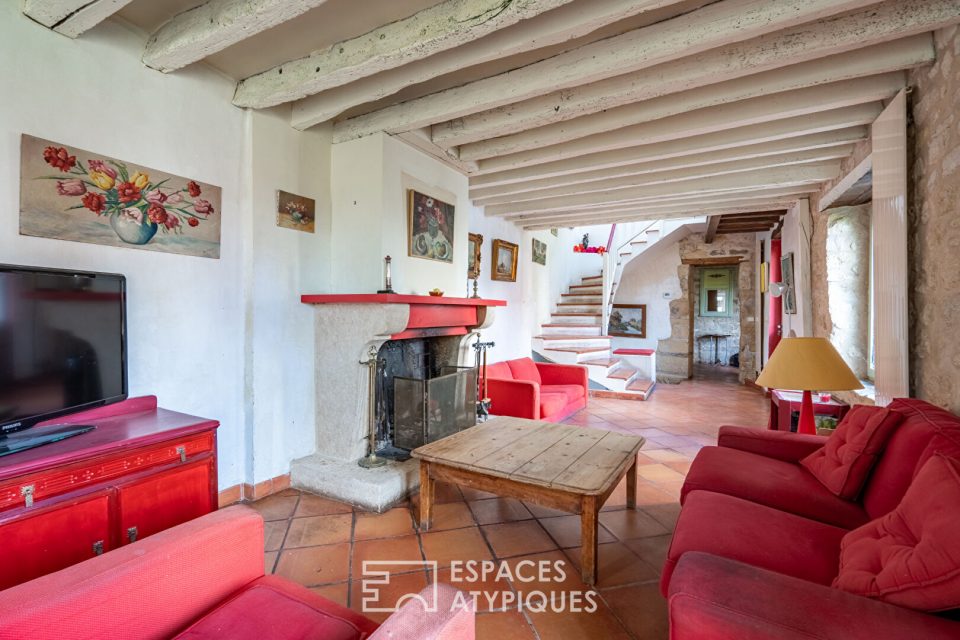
{"x":373,"y":489}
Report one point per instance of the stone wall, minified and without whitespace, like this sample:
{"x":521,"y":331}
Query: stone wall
{"x":675,"y":354}
{"x":935,"y":226}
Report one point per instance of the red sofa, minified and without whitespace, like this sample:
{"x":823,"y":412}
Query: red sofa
{"x":763,"y":549}
{"x":203,"y":579}
{"x":523,"y":388}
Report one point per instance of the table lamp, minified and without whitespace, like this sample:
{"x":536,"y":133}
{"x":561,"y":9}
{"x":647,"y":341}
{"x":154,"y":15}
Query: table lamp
{"x":807,"y":364}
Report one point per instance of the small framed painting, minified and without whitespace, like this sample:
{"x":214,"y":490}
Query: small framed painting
{"x":539,"y":252}
{"x":504,"y":263}
{"x":296,"y":212}
{"x":474,"y":244}
{"x":430,"y":227}
{"x":786,"y":276}
{"x":628,"y":321}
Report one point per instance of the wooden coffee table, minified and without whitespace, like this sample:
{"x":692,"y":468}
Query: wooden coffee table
{"x":565,"y":467}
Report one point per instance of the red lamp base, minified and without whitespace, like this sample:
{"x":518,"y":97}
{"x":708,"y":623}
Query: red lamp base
{"x":806,"y":424}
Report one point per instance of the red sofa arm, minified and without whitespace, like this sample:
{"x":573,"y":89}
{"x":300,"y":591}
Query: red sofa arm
{"x":782,"y":445}
{"x":152,"y":588}
{"x":714,"y":598}
{"x":517,"y":398}
{"x":563,"y":374}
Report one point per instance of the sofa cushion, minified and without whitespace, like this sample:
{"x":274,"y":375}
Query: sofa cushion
{"x":911,"y":556}
{"x":525,"y":369}
{"x":552,"y":404}
{"x":776,"y":483}
{"x":925,"y":431}
{"x":274,"y":608}
{"x":844,"y":462}
{"x":500,"y":371}
{"x":572,"y":392}
{"x":758,"y":535}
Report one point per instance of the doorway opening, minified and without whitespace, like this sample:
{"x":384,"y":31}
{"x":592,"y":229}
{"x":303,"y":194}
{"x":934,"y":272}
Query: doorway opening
{"x":715,"y":321}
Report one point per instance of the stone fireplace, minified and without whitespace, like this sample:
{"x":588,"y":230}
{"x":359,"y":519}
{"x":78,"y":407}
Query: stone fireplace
{"x":415,"y":337}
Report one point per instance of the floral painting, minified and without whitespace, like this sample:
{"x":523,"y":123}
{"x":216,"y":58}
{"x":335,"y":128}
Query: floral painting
{"x":72,"y":194}
{"x":295,"y":212}
{"x":430,"y":227}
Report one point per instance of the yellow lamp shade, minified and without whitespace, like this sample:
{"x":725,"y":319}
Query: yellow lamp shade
{"x":807,"y":364}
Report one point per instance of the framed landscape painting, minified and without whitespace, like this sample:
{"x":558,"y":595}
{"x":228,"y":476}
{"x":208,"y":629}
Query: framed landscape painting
{"x":504,"y":263}
{"x":539,"y":252}
{"x":474,"y":245}
{"x":628,"y":321}
{"x":430,"y":227}
{"x":786,"y":276}
{"x":72,"y":194}
{"x":296,"y":212}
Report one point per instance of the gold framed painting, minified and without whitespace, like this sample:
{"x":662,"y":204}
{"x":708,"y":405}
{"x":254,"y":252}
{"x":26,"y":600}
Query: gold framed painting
{"x":296,"y":212}
{"x":628,"y":321}
{"x":429,"y":227}
{"x":474,"y":244}
{"x":503,"y":266}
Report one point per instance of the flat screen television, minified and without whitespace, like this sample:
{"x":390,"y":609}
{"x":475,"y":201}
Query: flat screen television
{"x":62,"y":348}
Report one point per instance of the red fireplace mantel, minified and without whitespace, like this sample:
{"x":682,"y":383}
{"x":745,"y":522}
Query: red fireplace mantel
{"x":430,"y":316}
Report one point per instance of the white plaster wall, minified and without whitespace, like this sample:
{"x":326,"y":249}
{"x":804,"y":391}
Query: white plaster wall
{"x":185,"y":313}
{"x":796,"y":234}
{"x":647,"y":279}
{"x":280,"y":387}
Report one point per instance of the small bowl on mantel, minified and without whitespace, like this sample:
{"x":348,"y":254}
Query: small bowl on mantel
{"x":435,"y":293}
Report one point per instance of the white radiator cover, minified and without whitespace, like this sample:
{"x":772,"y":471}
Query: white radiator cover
{"x":890,"y":276}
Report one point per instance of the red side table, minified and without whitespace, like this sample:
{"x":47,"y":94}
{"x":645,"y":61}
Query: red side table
{"x":784,"y":403}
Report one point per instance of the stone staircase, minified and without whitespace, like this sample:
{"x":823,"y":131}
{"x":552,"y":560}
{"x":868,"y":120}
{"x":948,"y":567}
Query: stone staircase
{"x":575,"y":335}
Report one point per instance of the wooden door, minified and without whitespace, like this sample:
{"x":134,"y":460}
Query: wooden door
{"x":164,"y":499}
{"x":46,"y":538}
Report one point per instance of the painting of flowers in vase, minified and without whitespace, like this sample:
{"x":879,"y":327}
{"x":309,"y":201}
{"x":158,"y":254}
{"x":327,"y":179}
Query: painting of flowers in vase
{"x":72,"y":194}
{"x":295,"y":212}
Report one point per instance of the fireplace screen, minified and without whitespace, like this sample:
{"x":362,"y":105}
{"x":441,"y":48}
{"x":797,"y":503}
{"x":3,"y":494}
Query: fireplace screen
{"x":429,"y":409}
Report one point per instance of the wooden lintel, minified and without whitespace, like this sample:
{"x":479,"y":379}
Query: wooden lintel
{"x":714,"y":262}
{"x":750,"y":230}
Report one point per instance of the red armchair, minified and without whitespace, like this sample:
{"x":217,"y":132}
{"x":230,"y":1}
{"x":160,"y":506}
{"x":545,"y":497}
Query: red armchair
{"x":523,"y":388}
{"x":202,"y":579}
{"x":760,"y":541}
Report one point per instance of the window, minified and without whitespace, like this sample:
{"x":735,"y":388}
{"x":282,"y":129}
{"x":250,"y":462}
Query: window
{"x":715,"y":298}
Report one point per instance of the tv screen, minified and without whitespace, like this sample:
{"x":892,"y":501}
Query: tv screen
{"x":62,"y":343}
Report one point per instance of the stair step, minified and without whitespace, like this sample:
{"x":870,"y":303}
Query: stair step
{"x":638,"y":242}
{"x":584,"y":286}
{"x":623,"y":373}
{"x":572,"y":313}
{"x":641,"y":386}
{"x":578,"y":304}
{"x":581,"y":295}
{"x":626,"y":253}
{"x":585,"y":278}
{"x":579,"y":349}
{"x":565,"y":325}
{"x":571,"y":336}
{"x":602,"y":362}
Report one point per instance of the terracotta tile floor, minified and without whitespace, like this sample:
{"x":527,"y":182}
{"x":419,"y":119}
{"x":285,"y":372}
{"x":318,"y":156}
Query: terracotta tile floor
{"x":321,"y":543}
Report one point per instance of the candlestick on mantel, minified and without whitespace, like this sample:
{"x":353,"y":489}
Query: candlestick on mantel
{"x":388,"y":278}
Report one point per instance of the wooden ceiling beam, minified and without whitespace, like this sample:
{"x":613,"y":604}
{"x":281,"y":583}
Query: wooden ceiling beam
{"x":554,"y":27}
{"x":735,"y":73}
{"x":791,"y":104}
{"x":715,"y":25}
{"x":435,"y":29}
{"x":712,"y":223}
{"x":587,"y":218}
{"x":763,"y":178}
{"x":679,"y":175}
{"x":71,"y":17}
{"x":750,"y":230}
{"x":732,"y":138}
{"x":492,"y":184}
{"x":213,"y":26}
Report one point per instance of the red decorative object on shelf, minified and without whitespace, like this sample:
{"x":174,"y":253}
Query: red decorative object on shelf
{"x":579,"y":248}
{"x":140,"y":471}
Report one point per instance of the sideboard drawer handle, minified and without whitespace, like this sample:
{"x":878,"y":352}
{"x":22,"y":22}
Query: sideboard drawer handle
{"x":27,"y":493}
{"x":183,"y":453}
{"x":132,"y":534}
{"x":98,"y":548}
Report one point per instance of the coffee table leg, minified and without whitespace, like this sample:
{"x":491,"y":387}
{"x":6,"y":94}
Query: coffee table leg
{"x":588,"y":539}
{"x":426,"y":496}
{"x":632,"y":485}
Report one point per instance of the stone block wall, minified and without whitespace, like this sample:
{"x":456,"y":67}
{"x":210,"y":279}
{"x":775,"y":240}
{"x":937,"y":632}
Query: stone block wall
{"x":934,"y":222}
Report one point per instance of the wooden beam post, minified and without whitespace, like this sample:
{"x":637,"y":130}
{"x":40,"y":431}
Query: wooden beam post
{"x":712,"y":223}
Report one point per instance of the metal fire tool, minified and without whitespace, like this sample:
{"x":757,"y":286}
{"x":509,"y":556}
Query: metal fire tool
{"x":371,"y":460}
{"x":483,"y":402}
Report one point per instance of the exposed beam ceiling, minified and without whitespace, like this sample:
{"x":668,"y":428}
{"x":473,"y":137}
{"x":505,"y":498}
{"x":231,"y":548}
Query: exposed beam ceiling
{"x":435,"y":29}
{"x":712,"y":26}
{"x":791,"y":104}
{"x":568,"y":22}
{"x":653,"y":93}
{"x":712,"y":225}
{"x":211,"y":27}
{"x":587,"y":218}
{"x":71,"y":17}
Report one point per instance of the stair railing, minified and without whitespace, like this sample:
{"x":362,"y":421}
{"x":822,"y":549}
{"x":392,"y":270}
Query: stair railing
{"x":611,"y":266}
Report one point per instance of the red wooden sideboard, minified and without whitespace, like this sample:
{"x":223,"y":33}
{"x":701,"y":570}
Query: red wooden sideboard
{"x":142,"y":470}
